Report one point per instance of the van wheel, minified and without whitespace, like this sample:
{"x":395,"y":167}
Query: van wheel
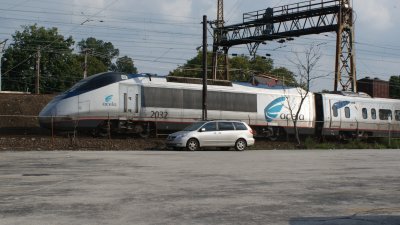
{"x":240,"y":144}
{"x":192,"y":145}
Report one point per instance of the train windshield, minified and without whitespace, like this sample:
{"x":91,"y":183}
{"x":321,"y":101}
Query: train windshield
{"x":194,"y":126}
{"x":77,"y":85}
{"x":94,"y":82}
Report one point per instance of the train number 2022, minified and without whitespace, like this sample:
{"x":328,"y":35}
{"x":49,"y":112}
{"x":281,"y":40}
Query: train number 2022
{"x":159,"y":114}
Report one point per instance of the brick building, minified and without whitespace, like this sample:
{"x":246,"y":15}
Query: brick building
{"x":374,"y":87}
{"x":268,"y":80}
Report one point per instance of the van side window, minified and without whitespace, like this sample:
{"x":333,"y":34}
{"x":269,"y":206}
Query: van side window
{"x":335,"y":111}
{"x":241,"y":126}
{"x":225,"y":126}
{"x":365,"y":113}
{"x":212,"y":126}
{"x":373,"y":114}
{"x":384,"y":114}
{"x":347,"y":112}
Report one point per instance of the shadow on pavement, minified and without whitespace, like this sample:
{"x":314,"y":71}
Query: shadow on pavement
{"x":349,"y":220}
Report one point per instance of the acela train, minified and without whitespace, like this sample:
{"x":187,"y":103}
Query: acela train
{"x":142,"y":104}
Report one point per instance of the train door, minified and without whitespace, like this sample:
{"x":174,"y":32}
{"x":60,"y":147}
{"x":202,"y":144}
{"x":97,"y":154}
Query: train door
{"x":319,"y":114}
{"x":385,"y":117}
{"x":84,"y":107}
{"x":349,"y":117}
{"x":129,"y":99}
{"x":335,"y":118}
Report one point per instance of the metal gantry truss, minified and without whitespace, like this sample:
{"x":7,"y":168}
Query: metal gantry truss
{"x":218,"y":35}
{"x":289,"y":21}
{"x":345,"y":67}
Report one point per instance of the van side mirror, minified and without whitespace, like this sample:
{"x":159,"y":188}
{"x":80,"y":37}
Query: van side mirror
{"x":203,"y":129}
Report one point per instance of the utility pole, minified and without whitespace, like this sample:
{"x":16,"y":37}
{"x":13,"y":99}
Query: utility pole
{"x":37,"y":84}
{"x":2,"y":46}
{"x":85,"y":66}
{"x":204,"y":113}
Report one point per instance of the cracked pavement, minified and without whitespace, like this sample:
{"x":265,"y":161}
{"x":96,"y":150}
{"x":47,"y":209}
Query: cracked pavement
{"x":335,"y":187}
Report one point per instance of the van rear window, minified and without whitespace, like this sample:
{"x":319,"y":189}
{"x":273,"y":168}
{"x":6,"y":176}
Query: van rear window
{"x":240,"y":126}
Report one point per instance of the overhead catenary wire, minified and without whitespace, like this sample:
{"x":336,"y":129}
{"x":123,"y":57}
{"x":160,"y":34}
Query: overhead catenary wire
{"x":133,"y":40}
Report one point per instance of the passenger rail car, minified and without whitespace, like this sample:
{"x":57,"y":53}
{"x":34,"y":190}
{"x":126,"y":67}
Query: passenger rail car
{"x":137,"y":103}
{"x":126,"y":103}
{"x":357,"y":115}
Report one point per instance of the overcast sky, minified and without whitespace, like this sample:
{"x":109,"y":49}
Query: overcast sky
{"x":162,"y":34}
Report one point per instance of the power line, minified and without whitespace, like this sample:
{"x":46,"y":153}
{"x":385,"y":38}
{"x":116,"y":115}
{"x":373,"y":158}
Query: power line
{"x":144,"y":41}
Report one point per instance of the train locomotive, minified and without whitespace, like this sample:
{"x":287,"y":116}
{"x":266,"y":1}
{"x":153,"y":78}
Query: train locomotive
{"x":144,"y":104}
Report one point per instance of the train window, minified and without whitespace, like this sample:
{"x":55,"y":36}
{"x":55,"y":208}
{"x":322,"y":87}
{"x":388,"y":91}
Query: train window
{"x":365,"y":113}
{"x":335,"y":111}
{"x":162,"y":97}
{"x":347,"y":112}
{"x":385,"y":114}
{"x":236,"y":102}
{"x":373,"y":114}
{"x":98,"y":82}
{"x":191,"y":99}
{"x":397,"y":115}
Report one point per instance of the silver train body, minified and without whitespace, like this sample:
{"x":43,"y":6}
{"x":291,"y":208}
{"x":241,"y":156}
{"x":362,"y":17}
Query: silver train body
{"x":126,"y":103}
{"x":359,"y":115}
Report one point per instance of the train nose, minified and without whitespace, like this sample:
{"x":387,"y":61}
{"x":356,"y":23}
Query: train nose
{"x":47,"y":114}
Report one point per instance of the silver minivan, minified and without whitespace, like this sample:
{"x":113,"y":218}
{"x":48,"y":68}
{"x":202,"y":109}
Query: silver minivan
{"x":217,"y":133}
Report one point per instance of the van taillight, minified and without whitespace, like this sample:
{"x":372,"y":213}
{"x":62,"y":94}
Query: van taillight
{"x":252,"y":132}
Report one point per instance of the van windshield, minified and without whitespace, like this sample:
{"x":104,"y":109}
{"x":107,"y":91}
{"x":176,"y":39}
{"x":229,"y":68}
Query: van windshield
{"x":194,"y":126}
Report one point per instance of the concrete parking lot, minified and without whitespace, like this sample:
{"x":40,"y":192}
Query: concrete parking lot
{"x":210,"y":187}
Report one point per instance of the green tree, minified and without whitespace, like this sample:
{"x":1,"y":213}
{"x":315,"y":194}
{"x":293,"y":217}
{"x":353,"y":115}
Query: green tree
{"x":103,"y":51}
{"x":193,"y":67}
{"x":394,"y":87}
{"x":285,"y":75}
{"x":56,"y":60}
{"x":241,"y":68}
{"x":125,"y":65}
{"x":261,"y":64}
{"x":94,"y":65}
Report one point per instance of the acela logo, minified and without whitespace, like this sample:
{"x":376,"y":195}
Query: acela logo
{"x":273,"y":109}
{"x":108,"y":98}
{"x":341,"y":104}
{"x":108,"y":101}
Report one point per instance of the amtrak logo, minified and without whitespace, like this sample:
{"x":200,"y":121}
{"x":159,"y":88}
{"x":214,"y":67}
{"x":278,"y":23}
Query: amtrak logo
{"x":341,"y":104}
{"x":108,"y":98}
{"x":272,"y":110}
{"x":108,"y":101}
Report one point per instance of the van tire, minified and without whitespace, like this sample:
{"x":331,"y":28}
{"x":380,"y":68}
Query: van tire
{"x":192,"y":144}
{"x":240,"y":144}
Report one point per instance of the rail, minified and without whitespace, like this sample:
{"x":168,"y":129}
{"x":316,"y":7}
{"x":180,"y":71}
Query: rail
{"x":25,"y":123}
